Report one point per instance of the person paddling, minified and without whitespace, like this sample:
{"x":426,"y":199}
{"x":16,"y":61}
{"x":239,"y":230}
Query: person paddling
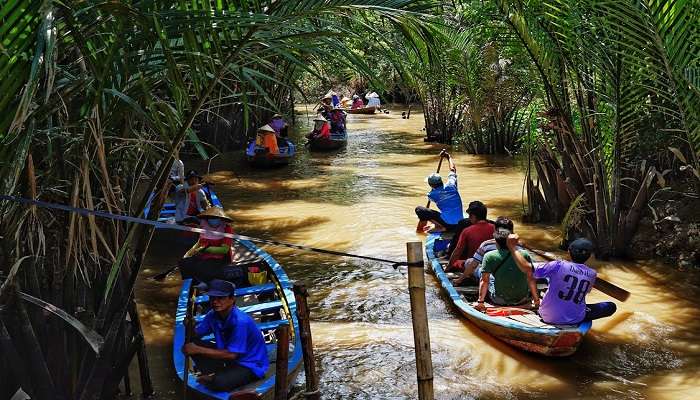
{"x":446,"y":197}
{"x":238,"y":355}
{"x":569,"y":282}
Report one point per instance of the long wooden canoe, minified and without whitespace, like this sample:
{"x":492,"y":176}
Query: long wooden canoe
{"x":517,"y":326}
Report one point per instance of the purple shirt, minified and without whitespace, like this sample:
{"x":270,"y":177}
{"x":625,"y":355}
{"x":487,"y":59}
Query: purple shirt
{"x":565,"y":300}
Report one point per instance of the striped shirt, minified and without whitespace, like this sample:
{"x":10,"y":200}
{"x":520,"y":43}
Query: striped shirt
{"x":485,"y":247}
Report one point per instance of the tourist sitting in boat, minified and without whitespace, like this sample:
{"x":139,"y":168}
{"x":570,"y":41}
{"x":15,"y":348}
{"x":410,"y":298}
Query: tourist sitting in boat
{"x":474,"y":262}
{"x":190,"y":198}
{"x":345,"y":102}
{"x":357,"y":102}
{"x":336,"y":117}
{"x":205,"y":260}
{"x":569,"y":282}
{"x":267,"y":138}
{"x":279,"y":125}
{"x":446,"y":198}
{"x":469,"y":240}
{"x":462,"y":225}
{"x":321,"y":130}
{"x":238,"y":355}
{"x":509,"y":286}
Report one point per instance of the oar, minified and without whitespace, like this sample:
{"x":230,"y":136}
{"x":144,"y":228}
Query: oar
{"x":189,"y":329}
{"x":421,"y":224}
{"x":601,"y":284}
{"x":163,"y":275}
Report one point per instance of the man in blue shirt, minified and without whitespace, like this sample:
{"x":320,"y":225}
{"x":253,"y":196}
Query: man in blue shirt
{"x":446,"y":198}
{"x":238,"y":355}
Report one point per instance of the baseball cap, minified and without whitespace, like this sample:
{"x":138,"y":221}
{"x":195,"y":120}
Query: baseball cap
{"x":220,"y":288}
{"x":581,"y":246}
{"x":434,"y":180}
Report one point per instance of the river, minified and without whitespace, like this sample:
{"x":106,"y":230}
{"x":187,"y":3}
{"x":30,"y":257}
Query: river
{"x":361,"y":200}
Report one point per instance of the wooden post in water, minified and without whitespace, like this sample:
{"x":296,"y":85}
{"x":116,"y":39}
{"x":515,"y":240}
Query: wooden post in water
{"x":307,"y":348}
{"x":419,"y":316}
{"x":282,"y":364}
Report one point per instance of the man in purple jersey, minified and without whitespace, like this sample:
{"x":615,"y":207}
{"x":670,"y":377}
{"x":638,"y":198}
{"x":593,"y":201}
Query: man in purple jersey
{"x":564,"y":302}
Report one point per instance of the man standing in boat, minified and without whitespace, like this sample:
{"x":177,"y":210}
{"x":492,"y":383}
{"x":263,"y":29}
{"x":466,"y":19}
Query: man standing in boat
{"x":238,"y":355}
{"x":446,"y":198}
{"x":569,"y":282}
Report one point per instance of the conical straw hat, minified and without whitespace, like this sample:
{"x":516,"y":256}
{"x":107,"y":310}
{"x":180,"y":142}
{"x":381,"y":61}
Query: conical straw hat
{"x":215,"y":212}
{"x":319,"y":117}
{"x":266,"y":128}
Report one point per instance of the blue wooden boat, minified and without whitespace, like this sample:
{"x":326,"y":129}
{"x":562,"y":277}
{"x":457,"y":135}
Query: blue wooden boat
{"x":270,"y":304}
{"x":261,"y":157}
{"x":337,"y":140}
{"x":520,"y":327}
{"x":167,"y":215}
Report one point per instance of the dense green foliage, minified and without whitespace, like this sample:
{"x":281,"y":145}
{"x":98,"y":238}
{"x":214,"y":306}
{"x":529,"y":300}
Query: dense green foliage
{"x":94,"y":93}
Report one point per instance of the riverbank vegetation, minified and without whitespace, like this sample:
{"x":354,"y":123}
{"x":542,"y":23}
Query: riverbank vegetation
{"x":94,"y":95}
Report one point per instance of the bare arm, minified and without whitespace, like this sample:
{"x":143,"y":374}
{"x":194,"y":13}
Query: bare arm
{"x":483,"y":290}
{"x":453,"y":167}
{"x":519,"y":259}
{"x":217,"y":354}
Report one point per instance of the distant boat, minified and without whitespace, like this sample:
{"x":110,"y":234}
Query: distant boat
{"x":336,"y":141}
{"x":261,"y":157}
{"x":363,"y":110}
{"x":520,"y":327}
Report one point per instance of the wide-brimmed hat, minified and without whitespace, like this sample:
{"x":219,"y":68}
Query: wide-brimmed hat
{"x":354,"y":96}
{"x":266,"y":128}
{"x":214,"y":212}
{"x":319,"y":117}
{"x":371,"y":95}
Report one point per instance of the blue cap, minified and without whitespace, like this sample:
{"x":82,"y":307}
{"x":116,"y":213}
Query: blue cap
{"x":581,"y":246}
{"x":434,"y":180}
{"x":220,"y":288}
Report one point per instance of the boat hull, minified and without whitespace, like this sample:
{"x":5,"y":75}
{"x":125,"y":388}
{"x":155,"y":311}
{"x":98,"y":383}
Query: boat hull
{"x":262,"y":158}
{"x":335,"y":142}
{"x":363,"y":110}
{"x":523,"y":329}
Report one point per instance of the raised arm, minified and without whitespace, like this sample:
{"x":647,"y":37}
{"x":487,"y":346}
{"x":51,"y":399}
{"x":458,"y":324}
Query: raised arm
{"x":519,"y":259}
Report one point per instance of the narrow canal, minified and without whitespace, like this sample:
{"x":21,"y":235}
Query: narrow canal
{"x":361,"y":200}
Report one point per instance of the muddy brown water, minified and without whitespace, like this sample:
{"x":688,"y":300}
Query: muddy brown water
{"x":361,"y":200}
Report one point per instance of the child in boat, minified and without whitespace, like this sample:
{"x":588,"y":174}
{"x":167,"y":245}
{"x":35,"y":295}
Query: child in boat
{"x":569,"y":282}
{"x":190,"y":198}
{"x":321,"y":130}
{"x":238,"y":356}
{"x":446,"y":198}
{"x":205,"y":260}
{"x":509,"y":286}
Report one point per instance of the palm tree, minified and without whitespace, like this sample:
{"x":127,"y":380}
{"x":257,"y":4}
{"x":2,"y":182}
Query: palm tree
{"x":93,"y":94}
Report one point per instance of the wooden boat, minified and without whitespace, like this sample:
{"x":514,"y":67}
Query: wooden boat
{"x":167,"y":215}
{"x":517,"y":326}
{"x":270,"y":304}
{"x":334,"y":142}
{"x":261,"y":157}
{"x":363,"y":110}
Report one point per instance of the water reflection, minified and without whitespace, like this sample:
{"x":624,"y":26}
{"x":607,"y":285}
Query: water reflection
{"x":361,"y":200}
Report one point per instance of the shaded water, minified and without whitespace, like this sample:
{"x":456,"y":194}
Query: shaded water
{"x":361,"y":200}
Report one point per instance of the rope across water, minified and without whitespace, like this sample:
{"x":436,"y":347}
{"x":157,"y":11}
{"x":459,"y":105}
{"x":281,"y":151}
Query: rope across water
{"x":84,"y":211}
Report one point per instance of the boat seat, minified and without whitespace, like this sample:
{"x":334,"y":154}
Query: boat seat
{"x":252,"y":309}
{"x":257,"y":289}
{"x":467,"y":290}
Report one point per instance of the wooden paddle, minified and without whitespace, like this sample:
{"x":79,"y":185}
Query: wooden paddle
{"x":601,"y":284}
{"x":189,"y":332}
{"x":422,"y":224}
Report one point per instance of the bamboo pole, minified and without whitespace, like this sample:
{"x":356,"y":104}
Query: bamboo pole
{"x":300,"y":294}
{"x":146,"y":384}
{"x":282,"y":362}
{"x":419,"y":316}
